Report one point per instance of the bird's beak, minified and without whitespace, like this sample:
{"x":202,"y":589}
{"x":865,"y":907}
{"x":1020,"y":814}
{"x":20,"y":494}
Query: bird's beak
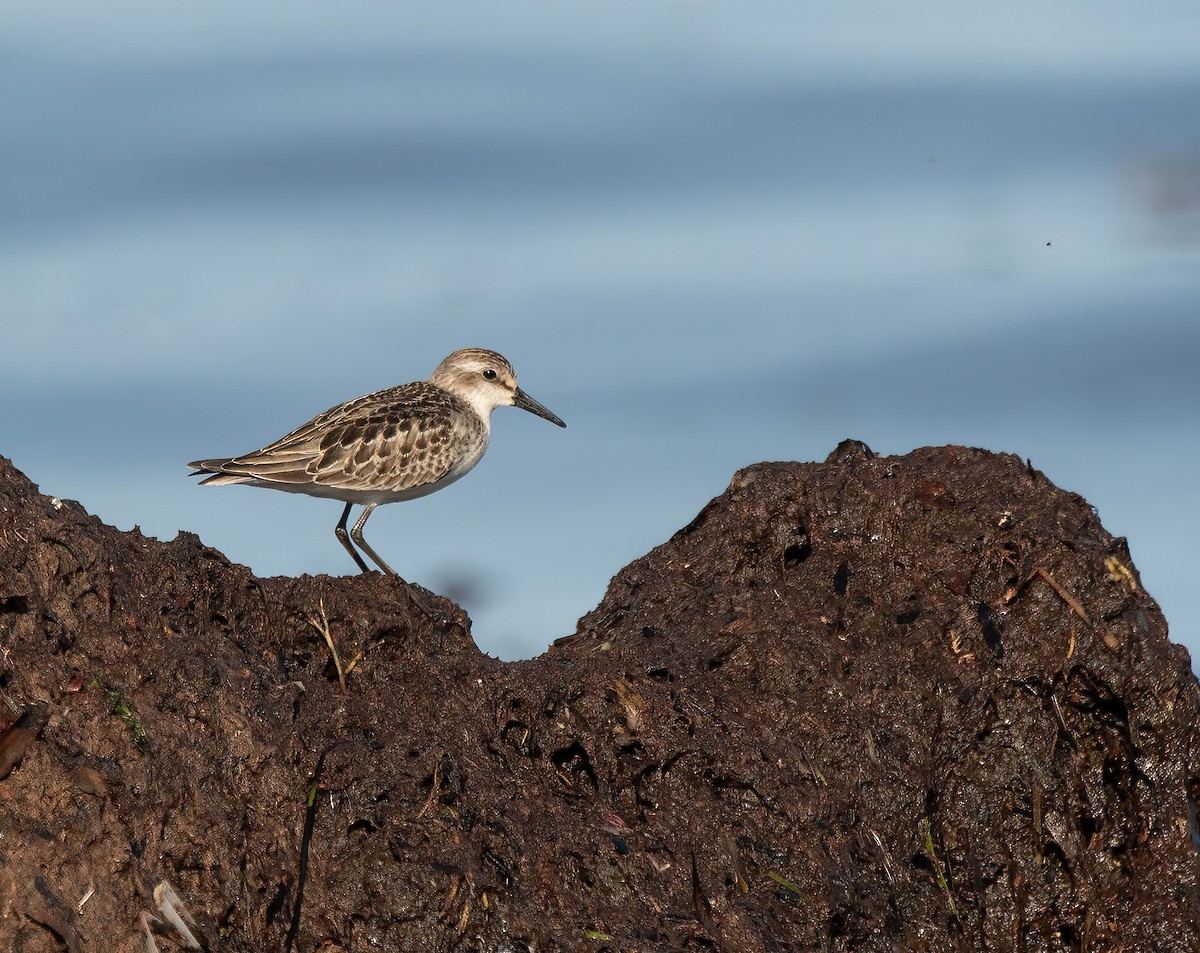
{"x":525,"y":402}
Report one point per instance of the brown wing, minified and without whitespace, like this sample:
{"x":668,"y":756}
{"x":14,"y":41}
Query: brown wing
{"x":392,"y":440}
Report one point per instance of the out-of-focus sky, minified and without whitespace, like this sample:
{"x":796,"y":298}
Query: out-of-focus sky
{"x":706,"y":234}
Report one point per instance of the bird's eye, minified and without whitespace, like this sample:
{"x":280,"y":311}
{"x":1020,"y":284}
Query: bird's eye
{"x":489,"y":375}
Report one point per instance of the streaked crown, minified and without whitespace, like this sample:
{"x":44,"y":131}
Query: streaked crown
{"x":484,"y":379}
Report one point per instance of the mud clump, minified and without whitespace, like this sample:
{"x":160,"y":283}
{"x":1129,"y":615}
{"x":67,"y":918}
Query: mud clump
{"x":873,"y":704}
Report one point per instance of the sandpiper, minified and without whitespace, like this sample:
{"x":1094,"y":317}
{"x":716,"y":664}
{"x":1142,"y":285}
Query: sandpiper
{"x":394,"y":444}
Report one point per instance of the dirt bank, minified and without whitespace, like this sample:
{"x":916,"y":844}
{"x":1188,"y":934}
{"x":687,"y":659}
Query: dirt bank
{"x":905,"y":703}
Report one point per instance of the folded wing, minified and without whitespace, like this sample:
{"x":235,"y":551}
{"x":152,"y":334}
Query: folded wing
{"x":391,"y":441}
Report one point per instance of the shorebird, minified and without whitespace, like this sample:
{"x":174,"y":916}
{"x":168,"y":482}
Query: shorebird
{"x":394,"y":444}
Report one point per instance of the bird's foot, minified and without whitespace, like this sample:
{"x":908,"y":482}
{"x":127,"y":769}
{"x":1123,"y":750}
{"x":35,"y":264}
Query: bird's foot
{"x":422,"y":602}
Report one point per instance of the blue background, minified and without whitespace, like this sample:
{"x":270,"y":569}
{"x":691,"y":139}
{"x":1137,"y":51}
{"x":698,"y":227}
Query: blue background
{"x":705,"y":234}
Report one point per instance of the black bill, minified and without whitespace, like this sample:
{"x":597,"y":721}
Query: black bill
{"x":525,"y":402}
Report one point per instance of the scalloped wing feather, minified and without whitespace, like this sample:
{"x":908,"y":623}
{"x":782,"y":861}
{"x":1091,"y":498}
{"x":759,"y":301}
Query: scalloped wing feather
{"x":390,"y":441}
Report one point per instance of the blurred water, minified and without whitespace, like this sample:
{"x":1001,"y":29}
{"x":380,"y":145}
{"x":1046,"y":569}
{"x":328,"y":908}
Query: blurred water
{"x":706,"y":235}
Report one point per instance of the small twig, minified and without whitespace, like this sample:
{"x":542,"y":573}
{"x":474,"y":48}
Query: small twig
{"x":354,"y":661}
{"x":435,"y":786}
{"x":817,"y":776}
{"x":1063,"y":594}
{"x":323,"y":628}
{"x":1062,"y":722}
{"x":887,"y":867}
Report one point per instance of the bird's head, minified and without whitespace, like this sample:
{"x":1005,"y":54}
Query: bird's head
{"x":485,"y":380}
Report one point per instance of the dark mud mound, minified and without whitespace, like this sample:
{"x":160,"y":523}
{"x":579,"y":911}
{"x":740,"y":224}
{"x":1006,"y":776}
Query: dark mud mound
{"x":912,"y":703}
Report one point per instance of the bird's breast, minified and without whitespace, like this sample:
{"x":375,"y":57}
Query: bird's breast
{"x":472,"y":453}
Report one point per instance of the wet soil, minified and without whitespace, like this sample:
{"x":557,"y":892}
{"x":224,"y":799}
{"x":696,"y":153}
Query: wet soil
{"x":875,"y":704}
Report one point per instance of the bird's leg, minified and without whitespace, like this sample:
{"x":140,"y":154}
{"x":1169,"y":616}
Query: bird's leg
{"x":413,"y":593}
{"x":344,"y":539}
{"x":357,"y":535}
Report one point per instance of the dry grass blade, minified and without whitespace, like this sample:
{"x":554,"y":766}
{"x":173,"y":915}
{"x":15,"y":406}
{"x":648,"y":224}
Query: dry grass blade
{"x":322,"y":626}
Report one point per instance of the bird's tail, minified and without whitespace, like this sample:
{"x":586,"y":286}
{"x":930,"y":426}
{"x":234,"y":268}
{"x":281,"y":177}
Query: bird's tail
{"x":201,"y":467}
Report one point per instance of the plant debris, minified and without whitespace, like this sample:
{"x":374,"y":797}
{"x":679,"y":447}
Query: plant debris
{"x":869,"y":704}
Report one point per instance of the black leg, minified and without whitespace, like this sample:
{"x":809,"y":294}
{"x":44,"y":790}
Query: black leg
{"x":345,"y":540}
{"x":357,"y":535}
